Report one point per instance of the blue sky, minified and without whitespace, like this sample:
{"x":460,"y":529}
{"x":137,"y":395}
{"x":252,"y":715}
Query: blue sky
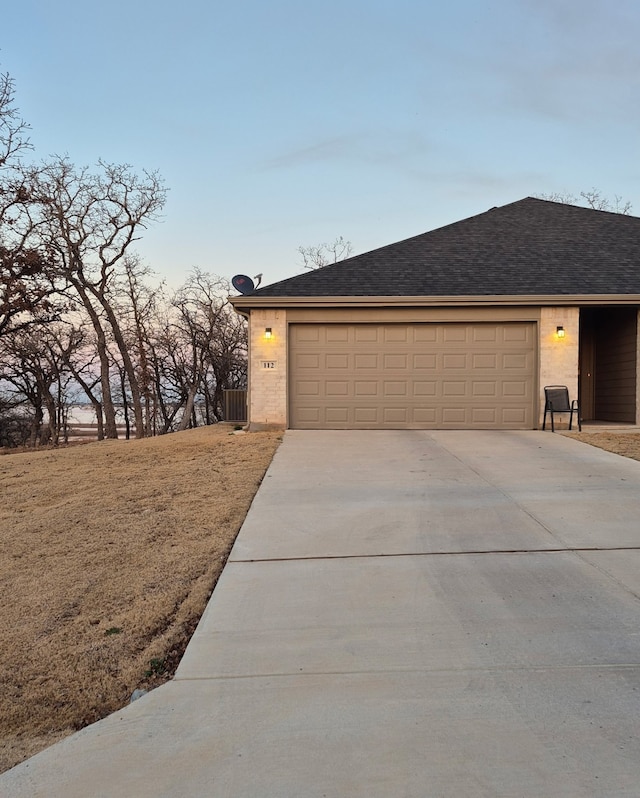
{"x":285,"y":124}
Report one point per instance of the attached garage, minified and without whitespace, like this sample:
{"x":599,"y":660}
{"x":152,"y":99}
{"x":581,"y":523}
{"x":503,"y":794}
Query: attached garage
{"x":412,"y":376}
{"x":456,"y":328}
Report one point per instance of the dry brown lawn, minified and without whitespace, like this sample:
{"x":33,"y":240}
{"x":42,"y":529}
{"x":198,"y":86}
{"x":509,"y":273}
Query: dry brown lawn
{"x":623,"y":442}
{"x":110,"y":552}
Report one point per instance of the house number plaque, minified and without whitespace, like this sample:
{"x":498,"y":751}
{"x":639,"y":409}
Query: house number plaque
{"x":269,"y":364}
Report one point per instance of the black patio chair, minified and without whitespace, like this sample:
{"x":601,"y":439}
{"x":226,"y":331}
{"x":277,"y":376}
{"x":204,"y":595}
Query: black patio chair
{"x":556,"y":400}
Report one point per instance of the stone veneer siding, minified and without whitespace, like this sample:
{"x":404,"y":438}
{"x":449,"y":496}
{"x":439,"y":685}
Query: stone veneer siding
{"x":268,"y":386}
{"x":559,"y":357}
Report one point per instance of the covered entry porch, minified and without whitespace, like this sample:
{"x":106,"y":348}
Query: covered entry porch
{"x":608,"y":364}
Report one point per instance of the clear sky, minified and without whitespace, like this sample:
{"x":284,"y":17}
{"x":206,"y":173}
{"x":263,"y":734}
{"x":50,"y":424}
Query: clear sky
{"x":277,"y":123}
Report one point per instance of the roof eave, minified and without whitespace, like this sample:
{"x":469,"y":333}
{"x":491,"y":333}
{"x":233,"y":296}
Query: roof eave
{"x":247,"y":303}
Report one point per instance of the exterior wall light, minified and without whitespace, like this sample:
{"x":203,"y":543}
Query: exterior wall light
{"x":269,"y":334}
{"x":560,"y":331}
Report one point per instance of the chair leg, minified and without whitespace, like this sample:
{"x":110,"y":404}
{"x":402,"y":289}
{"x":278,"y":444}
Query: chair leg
{"x":575,"y":408}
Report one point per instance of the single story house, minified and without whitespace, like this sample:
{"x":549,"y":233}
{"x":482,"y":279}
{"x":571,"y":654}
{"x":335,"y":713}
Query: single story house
{"x":457,"y":328}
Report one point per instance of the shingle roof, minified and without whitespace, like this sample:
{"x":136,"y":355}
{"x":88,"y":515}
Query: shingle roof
{"x":529,"y":247}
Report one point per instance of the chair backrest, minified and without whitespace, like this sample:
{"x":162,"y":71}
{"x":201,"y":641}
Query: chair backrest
{"x":558,"y":397}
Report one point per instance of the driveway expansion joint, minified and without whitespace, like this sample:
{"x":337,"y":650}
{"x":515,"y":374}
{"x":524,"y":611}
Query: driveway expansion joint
{"x":625,"y":666}
{"x":322,"y":557}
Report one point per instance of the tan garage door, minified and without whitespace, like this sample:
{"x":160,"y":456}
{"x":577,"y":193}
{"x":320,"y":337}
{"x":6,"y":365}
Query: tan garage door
{"x":412,"y":376}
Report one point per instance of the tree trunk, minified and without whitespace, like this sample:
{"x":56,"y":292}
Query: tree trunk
{"x":54,"y":430}
{"x":136,"y":399}
{"x":36,"y":424}
{"x":125,"y":406}
{"x":184,"y":423}
{"x":110,"y":426}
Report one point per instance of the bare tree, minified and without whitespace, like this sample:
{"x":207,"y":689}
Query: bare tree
{"x":26,"y":290}
{"x":200,"y":303}
{"x":198,"y":348}
{"x":176,"y":366}
{"x":13,"y":129}
{"x":36,"y":371}
{"x":591,"y":199}
{"x":75,"y":343}
{"x":15,"y":423}
{"x":88,"y":220}
{"x":27,"y":295}
{"x":325,"y":254}
{"x":137,"y":310}
{"x":66,"y":236}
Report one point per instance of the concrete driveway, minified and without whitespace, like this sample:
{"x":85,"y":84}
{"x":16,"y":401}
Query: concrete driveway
{"x":404,"y":614}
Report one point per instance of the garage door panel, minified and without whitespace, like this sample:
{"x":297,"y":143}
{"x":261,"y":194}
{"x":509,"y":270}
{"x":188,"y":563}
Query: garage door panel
{"x":337,"y":415}
{"x":394,"y":334}
{"x":425,"y":361}
{"x":337,"y":334}
{"x":394,"y":388}
{"x":365,"y":361}
{"x":425,"y":416}
{"x":454,"y":415}
{"x":307,"y":361}
{"x":516,"y":361}
{"x":484,"y":389}
{"x":457,"y":361}
{"x":308,"y":388}
{"x":309,"y":415}
{"x":515,"y":388}
{"x":369,"y":388}
{"x":513,"y":416}
{"x":395,"y":415}
{"x":455,"y":333}
{"x":373,"y":376}
{"x":481,"y":416}
{"x":335,"y":388}
{"x":517,"y":333}
{"x":455,"y":388}
{"x":424,"y":388}
{"x":484,"y":360}
{"x":338,"y":361}
{"x":308,"y":334}
{"x":366,"y":334}
{"x":366,"y":415}
{"x":425,"y":333}
{"x":395,"y":361}
{"x":485,"y":333}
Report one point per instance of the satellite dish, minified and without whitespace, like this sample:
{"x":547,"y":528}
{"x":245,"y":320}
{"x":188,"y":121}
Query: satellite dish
{"x":243,"y":284}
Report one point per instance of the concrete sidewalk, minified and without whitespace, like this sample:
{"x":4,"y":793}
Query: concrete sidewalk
{"x":404,"y":614}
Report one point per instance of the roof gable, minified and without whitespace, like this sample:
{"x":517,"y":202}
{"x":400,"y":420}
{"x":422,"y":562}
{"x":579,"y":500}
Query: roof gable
{"x":529,"y":247}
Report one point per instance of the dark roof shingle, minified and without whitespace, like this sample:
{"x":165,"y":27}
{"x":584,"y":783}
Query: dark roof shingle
{"x":529,"y":247}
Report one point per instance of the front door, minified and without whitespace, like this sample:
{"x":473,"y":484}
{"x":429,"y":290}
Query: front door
{"x":587,"y":367}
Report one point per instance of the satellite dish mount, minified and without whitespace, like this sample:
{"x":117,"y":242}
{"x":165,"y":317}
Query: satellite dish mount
{"x":243,"y":284}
